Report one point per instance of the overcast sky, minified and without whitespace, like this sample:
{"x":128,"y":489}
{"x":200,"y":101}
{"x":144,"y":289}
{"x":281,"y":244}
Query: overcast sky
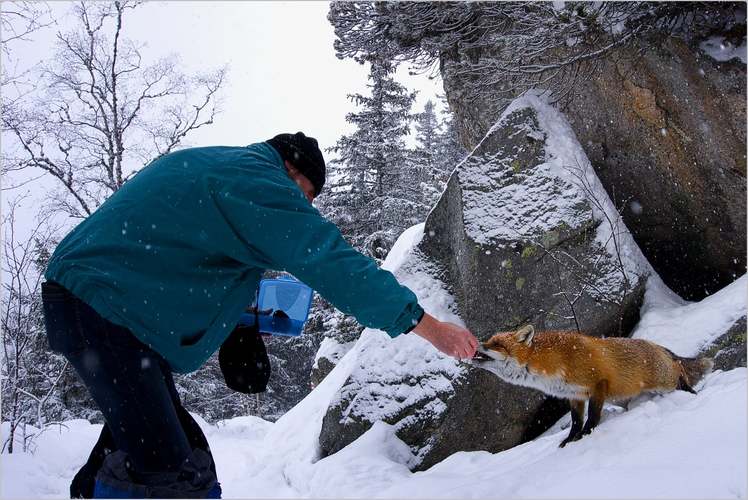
{"x":283,"y":74}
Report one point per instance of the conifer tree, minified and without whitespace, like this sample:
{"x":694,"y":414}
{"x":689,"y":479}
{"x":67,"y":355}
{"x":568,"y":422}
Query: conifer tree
{"x":428,"y":131}
{"x":437,"y":151}
{"x":450,"y":149}
{"x":373,"y":196}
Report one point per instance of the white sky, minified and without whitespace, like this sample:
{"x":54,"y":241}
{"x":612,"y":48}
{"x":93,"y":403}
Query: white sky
{"x":283,"y":74}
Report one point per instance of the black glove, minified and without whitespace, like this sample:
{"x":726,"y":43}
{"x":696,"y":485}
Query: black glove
{"x":244,"y":361}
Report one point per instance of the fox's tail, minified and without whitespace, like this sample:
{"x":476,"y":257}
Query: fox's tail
{"x":694,"y":369}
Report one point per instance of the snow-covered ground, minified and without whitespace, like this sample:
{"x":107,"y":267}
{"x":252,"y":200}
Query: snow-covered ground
{"x":674,"y":446}
{"x":687,"y":327}
{"x":677,"y":445}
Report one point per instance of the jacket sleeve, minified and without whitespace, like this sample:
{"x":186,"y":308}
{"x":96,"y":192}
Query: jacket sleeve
{"x":285,"y":232}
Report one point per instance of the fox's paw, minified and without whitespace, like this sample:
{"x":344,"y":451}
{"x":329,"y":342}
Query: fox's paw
{"x":575,"y":437}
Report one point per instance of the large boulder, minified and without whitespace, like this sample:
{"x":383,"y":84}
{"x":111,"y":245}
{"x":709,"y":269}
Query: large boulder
{"x":664,"y":126}
{"x":729,"y":350}
{"x":523,"y":233}
{"x":527,"y":234}
{"x":665,"y":129}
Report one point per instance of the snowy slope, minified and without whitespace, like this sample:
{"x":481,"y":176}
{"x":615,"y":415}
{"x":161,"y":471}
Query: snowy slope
{"x":687,"y":327}
{"x":677,"y":445}
{"x":673,"y":446}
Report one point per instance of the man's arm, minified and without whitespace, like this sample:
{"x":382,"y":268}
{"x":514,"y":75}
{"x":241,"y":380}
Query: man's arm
{"x":286,"y":232}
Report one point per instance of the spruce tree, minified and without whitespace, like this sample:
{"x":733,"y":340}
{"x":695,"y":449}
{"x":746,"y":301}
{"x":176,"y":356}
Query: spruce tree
{"x":428,"y":131}
{"x":373,"y":197}
{"x":450,"y":149}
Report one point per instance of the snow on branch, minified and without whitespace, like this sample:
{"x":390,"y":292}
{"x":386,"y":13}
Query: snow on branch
{"x":100,"y":112}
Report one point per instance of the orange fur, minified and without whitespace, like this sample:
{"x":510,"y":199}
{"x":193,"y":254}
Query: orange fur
{"x":630,"y":366}
{"x":582,"y":368}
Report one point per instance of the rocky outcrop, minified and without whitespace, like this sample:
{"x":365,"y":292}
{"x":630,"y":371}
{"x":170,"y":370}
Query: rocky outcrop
{"x":329,"y":353}
{"x":664,"y":126}
{"x":437,"y":406}
{"x":523,"y":233}
{"x":517,"y":232}
{"x":729,"y":350}
{"x":666,"y":132}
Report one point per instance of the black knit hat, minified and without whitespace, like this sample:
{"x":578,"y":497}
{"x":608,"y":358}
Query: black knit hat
{"x":304,"y":154}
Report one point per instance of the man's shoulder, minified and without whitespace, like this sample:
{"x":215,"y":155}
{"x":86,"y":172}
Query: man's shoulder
{"x":257,"y":153}
{"x":207,"y":151}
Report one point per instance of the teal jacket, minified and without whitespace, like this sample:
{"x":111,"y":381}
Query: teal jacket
{"x":176,"y":254}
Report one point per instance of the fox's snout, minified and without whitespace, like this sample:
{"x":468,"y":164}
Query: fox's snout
{"x":482,"y":355}
{"x":479,"y":356}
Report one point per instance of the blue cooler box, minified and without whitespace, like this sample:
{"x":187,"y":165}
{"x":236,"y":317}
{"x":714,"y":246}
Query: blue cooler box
{"x":283,"y":305}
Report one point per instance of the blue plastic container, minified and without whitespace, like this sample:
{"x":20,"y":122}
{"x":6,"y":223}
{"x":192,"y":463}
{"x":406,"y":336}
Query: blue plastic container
{"x":283,"y":306}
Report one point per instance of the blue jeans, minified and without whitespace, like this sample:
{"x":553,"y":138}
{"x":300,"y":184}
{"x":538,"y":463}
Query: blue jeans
{"x":133,"y":387}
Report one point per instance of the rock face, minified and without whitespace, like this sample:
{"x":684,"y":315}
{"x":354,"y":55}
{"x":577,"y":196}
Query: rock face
{"x":523,"y":233}
{"x":729,"y":350}
{"x":668,"y":133}
{"x":329,"y":353}
{"x":516,"y":231}
{"x":665,"y":130}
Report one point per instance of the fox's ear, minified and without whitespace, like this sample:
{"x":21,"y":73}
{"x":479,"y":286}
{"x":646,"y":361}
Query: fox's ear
{"x":525,"y":334}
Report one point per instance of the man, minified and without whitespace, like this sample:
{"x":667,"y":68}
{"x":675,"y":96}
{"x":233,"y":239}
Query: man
{"x":157,"y":277}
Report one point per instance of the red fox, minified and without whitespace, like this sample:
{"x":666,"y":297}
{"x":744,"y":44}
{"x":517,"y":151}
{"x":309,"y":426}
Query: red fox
{"x":582,"y":368}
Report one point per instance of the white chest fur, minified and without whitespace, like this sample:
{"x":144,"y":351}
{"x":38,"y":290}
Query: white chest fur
{"x":552,"y":384}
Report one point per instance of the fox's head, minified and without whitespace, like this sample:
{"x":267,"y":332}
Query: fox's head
{"x":505,"y":348}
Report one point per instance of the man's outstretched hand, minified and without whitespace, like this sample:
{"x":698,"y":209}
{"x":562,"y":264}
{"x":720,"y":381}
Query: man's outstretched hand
{"x":447,"y":337}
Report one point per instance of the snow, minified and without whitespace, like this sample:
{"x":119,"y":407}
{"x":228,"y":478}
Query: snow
{"x":678,"y":445}
{"x":718,"y":48}
{"x":403,"y":247}
{"x":663,"y":448}
{"x":503,"y":205}
{"x":381,"y":383}
{"x":57,"y":455}
{"x":568,"y":161}
{"x":687,"y":327}
{"x":331,"y":349}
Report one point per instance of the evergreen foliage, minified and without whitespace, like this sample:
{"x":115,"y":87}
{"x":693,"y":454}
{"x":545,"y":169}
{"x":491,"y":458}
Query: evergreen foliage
{"x":504,"y":48}
{"x":437,"y":152}
{"x":451,"y":151}
{"x":373,"y":194}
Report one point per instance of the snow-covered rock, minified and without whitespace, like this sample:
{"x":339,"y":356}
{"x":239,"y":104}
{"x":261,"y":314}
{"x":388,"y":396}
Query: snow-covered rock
{"x":527,"y":233}
{"x":523,"y":233}
{"x":714,"y":327}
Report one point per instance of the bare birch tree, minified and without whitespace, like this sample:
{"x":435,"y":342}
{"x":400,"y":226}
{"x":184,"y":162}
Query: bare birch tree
{"x":30,"y":373}
{"x":18,"y":21}
{"x":102,"y":111}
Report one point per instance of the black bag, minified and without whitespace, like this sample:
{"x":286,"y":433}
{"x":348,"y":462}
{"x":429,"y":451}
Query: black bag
{"x":244,"y":361}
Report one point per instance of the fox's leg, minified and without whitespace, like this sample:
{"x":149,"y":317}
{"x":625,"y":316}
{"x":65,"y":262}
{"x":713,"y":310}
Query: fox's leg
{"x":595,"y":409}
{"x":683,"y":385}
{"x":577,"y":417}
